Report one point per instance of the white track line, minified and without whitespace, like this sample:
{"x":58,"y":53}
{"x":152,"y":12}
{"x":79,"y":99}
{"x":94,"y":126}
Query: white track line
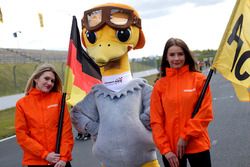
{"x":7,"y":138}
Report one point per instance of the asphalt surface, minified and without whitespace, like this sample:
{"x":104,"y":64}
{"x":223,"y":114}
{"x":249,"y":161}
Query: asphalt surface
{"x":11,"y":154}
{"x":9,"y":101}
{"x":229,"y":133}
{"x":230,"y":129}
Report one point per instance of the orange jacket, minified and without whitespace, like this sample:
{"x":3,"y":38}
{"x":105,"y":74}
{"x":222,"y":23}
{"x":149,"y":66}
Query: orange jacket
{"x":172,"y":102}
{"x":36,"y":124}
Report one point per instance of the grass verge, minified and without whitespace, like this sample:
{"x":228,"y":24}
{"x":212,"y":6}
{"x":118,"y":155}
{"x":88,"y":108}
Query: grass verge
{"x":7,"y":123}
{"x":13,"y":77}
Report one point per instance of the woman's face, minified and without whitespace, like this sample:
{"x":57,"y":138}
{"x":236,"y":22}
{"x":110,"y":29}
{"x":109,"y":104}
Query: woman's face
{"x":175,"y":57}
{"x":45,"y":82}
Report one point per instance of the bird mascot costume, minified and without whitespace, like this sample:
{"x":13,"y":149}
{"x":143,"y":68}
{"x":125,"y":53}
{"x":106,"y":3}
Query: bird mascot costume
{"x":116,"y":112}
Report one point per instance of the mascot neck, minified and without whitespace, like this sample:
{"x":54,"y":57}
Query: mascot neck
{"x":116,"y":67}
{"x":116,"y":75}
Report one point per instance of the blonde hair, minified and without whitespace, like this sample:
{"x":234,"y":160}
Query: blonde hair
{"x":38,"y":72}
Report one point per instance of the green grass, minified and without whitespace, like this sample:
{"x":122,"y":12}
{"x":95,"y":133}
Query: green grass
{"x":13,"y":77}
{"x":142,"y":66}
{"x":7,"y":123}
{"x":151,"y":79}
{"x":7,"y":116}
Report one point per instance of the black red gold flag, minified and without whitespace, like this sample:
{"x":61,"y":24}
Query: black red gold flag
{"x":81,"y":71}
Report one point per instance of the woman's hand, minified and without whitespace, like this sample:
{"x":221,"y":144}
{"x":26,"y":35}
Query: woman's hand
{"x":181,"y":147}
{"x":52,"y":157}
{"x":172,"y":159}
{"x":60,"y":163}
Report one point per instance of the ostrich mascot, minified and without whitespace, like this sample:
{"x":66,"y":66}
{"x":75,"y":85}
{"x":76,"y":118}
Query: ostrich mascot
{"x":116,"y":112}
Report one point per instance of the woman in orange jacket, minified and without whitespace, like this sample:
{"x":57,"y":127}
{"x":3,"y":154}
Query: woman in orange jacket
{"x":36,"y":121}
{"x":178,"y":136}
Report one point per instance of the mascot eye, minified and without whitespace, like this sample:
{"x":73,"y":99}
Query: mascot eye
{"x":91,"y":36}
{"x":123,"y":35}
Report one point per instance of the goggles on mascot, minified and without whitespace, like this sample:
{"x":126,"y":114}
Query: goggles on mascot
{"x":115,"y":17}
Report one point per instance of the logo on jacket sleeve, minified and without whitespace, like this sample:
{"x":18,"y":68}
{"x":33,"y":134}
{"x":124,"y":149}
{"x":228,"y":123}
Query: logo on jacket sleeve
{"x":52,"y":105}
{"x":189,"y":90}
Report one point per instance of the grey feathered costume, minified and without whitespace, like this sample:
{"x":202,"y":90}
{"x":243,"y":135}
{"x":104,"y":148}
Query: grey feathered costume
{"x":119,"y":121}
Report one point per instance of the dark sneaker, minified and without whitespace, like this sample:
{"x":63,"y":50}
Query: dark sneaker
{"x":79,"y":137}
{"x":86,"y":137}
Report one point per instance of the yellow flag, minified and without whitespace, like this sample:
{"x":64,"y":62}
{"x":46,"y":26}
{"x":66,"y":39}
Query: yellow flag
{"x":232,"y":59}
{"x":1,"y":16}
{"x":40,"y":16}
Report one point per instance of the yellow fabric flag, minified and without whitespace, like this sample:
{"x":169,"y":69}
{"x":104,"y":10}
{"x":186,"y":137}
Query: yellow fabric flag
{"x":232,"y":59}
{"x":40,"y":16}
{"x":1,"y":16}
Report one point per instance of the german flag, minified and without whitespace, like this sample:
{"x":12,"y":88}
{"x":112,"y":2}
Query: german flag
{"x":81,"y":71}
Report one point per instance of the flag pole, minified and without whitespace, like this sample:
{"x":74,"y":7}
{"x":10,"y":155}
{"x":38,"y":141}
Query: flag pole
{"x":61,"y":115}
{"x":203,"y":91}
{"x":60,"y":124}
{"x":83,"y":64}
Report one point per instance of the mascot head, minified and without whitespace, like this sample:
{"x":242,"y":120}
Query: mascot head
{"x":110,"y":30}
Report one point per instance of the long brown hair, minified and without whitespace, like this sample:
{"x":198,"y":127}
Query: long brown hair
{"x":38,"y":72}
{"x":189,"y":59}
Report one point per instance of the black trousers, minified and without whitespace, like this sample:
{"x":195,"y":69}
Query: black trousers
{"x":67,"y":165}
{"x":201,"y":159}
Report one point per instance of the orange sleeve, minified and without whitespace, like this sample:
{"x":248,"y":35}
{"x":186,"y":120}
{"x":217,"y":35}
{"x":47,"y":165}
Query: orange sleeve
{"x":22,"y":134}
{"x":195,"y":126}
{"x":157,"y":117}
{"x":67,"y":140}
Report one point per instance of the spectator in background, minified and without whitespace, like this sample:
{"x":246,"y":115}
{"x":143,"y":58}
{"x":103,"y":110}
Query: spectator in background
{"x":36,"y":121}
{"x":178,"y":136}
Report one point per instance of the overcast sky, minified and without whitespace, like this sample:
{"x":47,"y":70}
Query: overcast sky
{"x":200,"y":23}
